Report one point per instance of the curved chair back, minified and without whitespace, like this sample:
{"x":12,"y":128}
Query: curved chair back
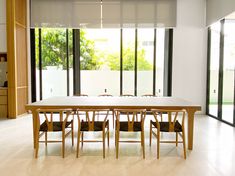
{"x":172,"y":118}
{"x":50,"y":116}
{"x":131,"y":116}
{"x":91,"y":116}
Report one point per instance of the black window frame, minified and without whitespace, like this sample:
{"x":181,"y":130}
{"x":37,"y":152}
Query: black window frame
{"x":168,"y":49}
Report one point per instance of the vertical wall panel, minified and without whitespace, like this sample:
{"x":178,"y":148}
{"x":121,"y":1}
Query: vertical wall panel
{"x":17,"y":57}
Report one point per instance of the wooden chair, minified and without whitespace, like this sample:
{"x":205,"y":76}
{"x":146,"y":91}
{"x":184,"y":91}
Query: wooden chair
{"x":172,"y":125}
{"x":91,"y":124}
{"x":108,"y":95}
{"x":53,"y":124}
{"x":129,"y":125}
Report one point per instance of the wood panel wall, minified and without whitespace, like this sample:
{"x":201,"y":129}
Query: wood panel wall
{"x":17,"y":57}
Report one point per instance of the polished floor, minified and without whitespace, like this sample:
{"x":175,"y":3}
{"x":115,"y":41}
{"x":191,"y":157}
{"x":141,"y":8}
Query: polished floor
{"x":213,"y":154}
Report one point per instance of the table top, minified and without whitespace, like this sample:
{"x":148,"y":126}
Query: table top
{"x":113,"y":102}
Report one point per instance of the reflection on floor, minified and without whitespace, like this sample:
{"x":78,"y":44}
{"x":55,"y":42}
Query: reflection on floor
{"x":213,"y":154}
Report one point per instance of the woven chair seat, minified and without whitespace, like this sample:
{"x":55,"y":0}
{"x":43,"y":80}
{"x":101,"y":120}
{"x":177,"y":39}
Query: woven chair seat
{"x":124,"y":126}
{"x":98,"y":126}
{"x":164,"y":126}
{"x":57,"y":126}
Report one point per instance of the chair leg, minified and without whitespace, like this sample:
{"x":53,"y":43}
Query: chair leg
{"x":72,"y":134}
{"x":82,"y":135}
{"x":176,"y":139}
{"x":183,"y":137}
{"x":113,"y":119}
{"x":115,"y":137}
{"x":150,"y":134}
{"x":158,"y":143}
{"x":142,"y":142}
{"x":78,"y":142}
{"x":103,"y":137}
{"x":45,"y":138}
{"x":63,"y":142}
{"x":117,"y":143}
{"x":108,"y":134}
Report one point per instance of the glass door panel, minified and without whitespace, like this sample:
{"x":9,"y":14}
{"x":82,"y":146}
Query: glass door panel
{"x":145,"y":61}
{"x":54,"y":64}
{"x":128,"y":61}
{"x":160,"y":61}
{"x":228,"y":71}
{"x":100,"y":61}
{"x":214,"y":69}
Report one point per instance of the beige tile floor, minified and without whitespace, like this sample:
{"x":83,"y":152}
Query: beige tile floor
{"x":213,"y":154}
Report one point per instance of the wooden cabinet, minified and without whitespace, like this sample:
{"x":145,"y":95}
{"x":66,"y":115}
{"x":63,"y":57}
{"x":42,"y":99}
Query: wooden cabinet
{"x":3,"y":103}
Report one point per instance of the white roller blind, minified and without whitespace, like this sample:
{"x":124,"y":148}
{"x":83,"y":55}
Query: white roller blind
{"x":105,"y":13}
{"x":218,"y":9}
{"x":139,"y":13}
{"x":66,"y":13}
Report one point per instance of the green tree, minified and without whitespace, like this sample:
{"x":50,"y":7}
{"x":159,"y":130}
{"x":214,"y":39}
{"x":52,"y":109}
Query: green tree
{"x":89,"y":59}
{"x":54,"y":48}
{"x":113,"y":60}
{"x":54,"y":52}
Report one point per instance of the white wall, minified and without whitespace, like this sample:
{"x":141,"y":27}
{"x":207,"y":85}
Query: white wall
{"x":3,"y":45}
{"x":218,"y":9}
{"x":189,"y":52}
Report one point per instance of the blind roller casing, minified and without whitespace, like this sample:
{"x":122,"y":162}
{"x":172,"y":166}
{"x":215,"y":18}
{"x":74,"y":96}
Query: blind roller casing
{"x":105,"y":14}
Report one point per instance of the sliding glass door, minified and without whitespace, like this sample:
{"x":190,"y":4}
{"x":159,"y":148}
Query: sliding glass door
{"x":228,"y":72}
{"x":214,"y":69}
{"x":53,"y":55}
{"x":221,"y":74}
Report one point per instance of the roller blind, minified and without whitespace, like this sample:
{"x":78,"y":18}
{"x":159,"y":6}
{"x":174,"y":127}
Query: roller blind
{"x":103,"y":14}
{"x":218,"y":9}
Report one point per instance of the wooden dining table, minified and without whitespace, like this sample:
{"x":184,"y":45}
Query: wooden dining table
{"x":148,"y":103}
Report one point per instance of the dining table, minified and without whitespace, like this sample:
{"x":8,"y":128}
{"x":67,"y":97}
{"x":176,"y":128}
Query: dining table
{"x":91,"y":102}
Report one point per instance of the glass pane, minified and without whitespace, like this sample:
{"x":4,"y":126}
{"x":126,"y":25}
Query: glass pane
{"x":70,"y":61}
{"x":214,"y":69}
{"x":228,"y":71}
{"x":100,"y":61}
{"x":145,"y":61}
{"x":54,"y":73}
{"x":160,"y":61}
{"x":37,"y":64}
{"x":128,"y":61}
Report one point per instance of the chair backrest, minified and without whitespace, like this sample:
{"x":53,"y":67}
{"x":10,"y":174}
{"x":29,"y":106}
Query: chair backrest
{"x":51,"y":115}
{"x":81,"y":95}
{"x":149,"y":95}
{"x":91,"y":116}
{"x":127,"y":95}
{"x":172,"y":116}
{"x":105,"y":95}
{"x":131,"y":116}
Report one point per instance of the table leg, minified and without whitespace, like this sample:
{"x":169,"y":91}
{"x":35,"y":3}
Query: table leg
{"x":191,"y":113}
{"x":34,"y":117}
